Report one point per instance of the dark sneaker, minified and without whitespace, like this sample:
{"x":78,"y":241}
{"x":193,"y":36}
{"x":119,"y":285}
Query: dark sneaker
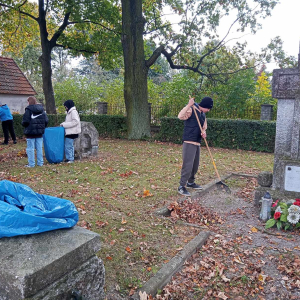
{"x":4,"y":143}
{"x":194,"y":186}
{"x":15,"y":142}
{"x":183,"y":191}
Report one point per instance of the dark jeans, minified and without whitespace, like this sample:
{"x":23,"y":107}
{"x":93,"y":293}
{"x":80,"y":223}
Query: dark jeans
{"x":190,"y":163}
{"x":8,"y":126}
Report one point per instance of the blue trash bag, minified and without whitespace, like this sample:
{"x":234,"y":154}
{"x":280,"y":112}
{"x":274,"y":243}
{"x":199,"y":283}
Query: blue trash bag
{"x":22,"y":211}
{"x":54,"y":144}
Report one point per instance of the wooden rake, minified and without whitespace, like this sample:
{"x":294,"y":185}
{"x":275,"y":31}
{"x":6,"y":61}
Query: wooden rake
{"x":219,"y":184}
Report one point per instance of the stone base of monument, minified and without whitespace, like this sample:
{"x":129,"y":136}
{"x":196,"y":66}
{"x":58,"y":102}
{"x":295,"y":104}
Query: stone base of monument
{"x":87,"y":142}
{"x":52,"y":265}
{"x":264,"y":180}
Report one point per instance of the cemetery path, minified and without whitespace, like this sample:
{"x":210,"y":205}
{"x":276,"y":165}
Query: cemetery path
{"x":240,"y":260}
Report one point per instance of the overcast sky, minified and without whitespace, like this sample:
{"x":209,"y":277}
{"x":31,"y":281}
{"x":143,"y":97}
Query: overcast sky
{"x":284,"y":22}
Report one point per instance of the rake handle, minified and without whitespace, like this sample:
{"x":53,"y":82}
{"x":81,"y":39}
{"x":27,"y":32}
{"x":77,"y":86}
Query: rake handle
{"x":211,"y":157}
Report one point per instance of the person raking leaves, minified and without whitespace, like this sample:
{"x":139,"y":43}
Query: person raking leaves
{"x":191,"y":142}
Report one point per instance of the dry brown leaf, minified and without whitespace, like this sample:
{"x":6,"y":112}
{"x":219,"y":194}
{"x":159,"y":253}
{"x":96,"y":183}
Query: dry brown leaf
{"x":221,"y":295}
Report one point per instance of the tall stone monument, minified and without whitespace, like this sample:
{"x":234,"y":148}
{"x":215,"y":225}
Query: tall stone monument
{"x":286,"y":173}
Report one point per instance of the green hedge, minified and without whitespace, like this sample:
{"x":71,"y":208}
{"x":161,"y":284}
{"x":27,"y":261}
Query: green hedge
{"x":230,"y":134}
{"x":107,"y":126}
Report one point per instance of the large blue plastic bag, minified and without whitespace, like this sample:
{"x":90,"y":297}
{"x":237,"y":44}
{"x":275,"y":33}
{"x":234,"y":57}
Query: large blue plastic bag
{"x":54,"y":144}
{"x":22,"y":211}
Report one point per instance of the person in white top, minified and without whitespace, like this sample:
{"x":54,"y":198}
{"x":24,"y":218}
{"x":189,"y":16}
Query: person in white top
{"x":72,"y":129}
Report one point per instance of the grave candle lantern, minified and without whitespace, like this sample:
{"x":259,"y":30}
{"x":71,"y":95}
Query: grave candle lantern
{"x":266,"y":203}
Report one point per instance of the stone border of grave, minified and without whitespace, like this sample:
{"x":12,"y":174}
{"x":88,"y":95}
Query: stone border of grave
{"x":164,"y":275}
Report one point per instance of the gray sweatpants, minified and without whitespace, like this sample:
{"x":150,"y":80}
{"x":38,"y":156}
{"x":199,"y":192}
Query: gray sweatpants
{"x":190,"y":163}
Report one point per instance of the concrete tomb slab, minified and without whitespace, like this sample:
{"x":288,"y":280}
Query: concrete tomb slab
{"x":50,"y":264}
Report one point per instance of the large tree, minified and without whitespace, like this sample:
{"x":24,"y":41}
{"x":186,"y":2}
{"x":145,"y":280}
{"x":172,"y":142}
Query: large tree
{"x":197,"y":24}
{"x":81,"y":26}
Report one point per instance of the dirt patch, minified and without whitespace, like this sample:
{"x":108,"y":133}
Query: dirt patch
{"x":241,"y":260}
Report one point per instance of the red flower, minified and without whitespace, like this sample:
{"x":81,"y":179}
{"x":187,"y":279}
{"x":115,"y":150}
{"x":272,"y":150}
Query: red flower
{"x":274,"y":204}
{"x":277,"y":215}
{"x":297,"y":202}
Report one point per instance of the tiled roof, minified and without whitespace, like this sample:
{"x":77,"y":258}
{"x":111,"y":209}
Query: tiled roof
{"x":12,"y":80}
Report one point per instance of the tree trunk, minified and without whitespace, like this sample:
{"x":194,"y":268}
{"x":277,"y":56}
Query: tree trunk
{"x":135,"y":80}
{"x":45,"y":59}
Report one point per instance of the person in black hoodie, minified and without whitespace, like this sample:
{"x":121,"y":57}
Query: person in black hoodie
{"x":35,"y":121}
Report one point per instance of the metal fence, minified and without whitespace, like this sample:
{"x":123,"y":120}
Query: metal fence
{"x":157,"y":112}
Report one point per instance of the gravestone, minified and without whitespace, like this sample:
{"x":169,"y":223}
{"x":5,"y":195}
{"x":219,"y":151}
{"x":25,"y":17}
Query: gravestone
{"x":87,"y":142}
{"x":286,"y":88}
{"x":51,"y":265}
{"x":286,"y":171}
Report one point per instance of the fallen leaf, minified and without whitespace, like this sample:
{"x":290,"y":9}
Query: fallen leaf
{"x":147,"y":193}
{"x":262,"y":278}
{"x":128,"y":249}
{"x":143,"y":295}
{"x":253,"y":229}
{"x":222,"y":296}
{"x":225,"y":278}
{"x":123,"y":221}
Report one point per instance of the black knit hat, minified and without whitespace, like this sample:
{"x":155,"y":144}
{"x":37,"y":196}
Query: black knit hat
{"x":207,"y":102}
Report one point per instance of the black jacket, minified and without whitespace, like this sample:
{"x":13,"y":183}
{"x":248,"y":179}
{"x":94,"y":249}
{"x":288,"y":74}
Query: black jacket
{"x":191,"y":131}
{"x":35,"y":121}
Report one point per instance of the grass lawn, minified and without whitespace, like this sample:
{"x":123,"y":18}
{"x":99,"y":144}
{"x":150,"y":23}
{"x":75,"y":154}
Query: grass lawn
{"x":117,"y":192}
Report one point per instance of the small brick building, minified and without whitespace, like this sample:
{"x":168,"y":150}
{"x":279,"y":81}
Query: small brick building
{"x":14,"y":86}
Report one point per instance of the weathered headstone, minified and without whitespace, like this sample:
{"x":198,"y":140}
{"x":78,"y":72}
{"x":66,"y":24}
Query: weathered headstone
{"x":51,"y":265}
{"x":286,"y":88}
{"x":87,"y":142}
{"x":286,"y":171}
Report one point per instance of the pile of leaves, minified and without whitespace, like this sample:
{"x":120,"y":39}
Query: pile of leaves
{"x":192,"y":212}
{"x":285,"y":215}
{"x":224,"y":269}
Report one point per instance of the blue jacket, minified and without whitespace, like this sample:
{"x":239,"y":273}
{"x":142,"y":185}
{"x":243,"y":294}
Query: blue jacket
{"x":5,"y":114}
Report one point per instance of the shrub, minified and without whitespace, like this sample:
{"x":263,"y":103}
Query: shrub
{"x":230,"y":134}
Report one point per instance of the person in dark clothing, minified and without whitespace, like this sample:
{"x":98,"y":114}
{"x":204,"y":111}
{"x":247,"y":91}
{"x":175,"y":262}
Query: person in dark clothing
{"x":191,"y":142}
{"x":35,"y":121}
{"x":7,"y":124}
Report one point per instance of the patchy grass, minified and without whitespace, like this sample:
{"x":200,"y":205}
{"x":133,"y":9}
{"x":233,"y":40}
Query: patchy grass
{"x":117,"y":192}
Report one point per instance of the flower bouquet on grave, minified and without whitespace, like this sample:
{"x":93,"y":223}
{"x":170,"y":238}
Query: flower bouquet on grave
{"x":285,"y":215}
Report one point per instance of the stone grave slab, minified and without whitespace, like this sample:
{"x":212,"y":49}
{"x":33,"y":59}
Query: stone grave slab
{"x":30,"y":264}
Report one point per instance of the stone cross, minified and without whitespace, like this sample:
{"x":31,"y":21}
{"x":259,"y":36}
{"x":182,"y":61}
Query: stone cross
{"x":286,"y":88}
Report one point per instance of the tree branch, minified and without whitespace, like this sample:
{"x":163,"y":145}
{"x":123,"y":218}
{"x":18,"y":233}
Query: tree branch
{"x":60,"y":30}
{"x":72,"y":48}
{"x":96,"y":23}
{"x":20,"y":11}
{"x":156,"y":54}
